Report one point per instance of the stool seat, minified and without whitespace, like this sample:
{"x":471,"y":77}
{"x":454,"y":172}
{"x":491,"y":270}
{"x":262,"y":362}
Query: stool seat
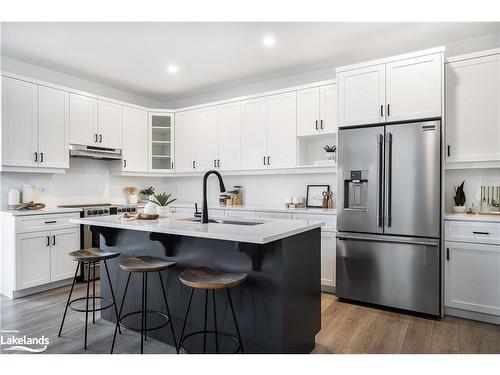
{"x":146,"y":263}
{"x":207,"y":278}
{"x":92,"y":254}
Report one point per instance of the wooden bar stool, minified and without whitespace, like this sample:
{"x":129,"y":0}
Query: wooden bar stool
{"x":210,"y":279}
{"x":90,"y":256}
{"x":144,"y":265}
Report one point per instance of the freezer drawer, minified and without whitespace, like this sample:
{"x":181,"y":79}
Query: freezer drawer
{"x":391,"y":271}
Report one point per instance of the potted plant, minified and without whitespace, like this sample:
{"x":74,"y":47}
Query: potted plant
{"x":132,"y":193}
{"x":148,"y":193}
{"x":162,"y":200}
{"x":459,"y":198}
{"x":331,"y":152}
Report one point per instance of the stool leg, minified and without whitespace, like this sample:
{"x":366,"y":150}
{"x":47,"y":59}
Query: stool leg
{"x":87,"y":305}
{"x":205,"y":324}
{"x":185,"y":320}
{"x":142,"y":313}
{"x":168,"y":310}
{"x":120,"y":313}
{"x":93,"y":292}
{"x":235,"y":322}
{"x":146,"y":307}
{"x":215,"y":324}
{"x":112,"y":293}
{"x":69,"y":298}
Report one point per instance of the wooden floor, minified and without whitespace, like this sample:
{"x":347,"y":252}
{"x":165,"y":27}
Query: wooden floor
{"x":346,"y":328}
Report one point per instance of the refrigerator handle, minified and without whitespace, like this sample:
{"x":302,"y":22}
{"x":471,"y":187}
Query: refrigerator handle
{"x":380,"y":159}
{"x":389,"y":180}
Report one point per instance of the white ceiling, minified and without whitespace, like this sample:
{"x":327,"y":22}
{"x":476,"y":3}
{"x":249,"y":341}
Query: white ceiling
{"x":211,"y":56}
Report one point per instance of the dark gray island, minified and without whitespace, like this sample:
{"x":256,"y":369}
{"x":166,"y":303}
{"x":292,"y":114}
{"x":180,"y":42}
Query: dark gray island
{"x":277,"y":307}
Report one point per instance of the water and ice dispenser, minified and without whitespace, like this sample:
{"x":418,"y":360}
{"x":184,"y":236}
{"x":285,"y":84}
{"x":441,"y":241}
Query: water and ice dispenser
{"x":356,"y":190}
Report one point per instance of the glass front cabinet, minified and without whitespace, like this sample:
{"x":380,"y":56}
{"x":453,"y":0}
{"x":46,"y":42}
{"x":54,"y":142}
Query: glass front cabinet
{"x":161,"y":146}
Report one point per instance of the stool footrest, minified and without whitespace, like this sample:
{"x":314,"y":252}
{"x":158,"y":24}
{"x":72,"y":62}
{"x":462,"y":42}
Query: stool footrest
{"x":163,"y":315}
{"x":196,"y":333}
{"x":111,"y":303}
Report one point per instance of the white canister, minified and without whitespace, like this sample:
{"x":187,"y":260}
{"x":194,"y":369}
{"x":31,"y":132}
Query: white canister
{"x":14,"y":198}
{"x":28,"y":193}
{"x":163,"y":211}
{"x":132,"y":199}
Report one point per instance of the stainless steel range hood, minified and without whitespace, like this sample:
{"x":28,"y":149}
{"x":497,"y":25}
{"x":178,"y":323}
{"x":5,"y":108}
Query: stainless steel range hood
{"x":92,"y":152}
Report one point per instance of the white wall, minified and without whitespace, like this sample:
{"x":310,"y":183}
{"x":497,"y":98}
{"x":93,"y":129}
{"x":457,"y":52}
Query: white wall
{"x":37,"y":72}
{"x":474,"y":179}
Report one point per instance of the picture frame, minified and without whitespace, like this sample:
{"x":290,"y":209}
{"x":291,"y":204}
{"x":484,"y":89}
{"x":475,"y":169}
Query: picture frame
{"x":314,"y":195}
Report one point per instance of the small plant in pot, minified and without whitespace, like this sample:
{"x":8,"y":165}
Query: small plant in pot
{"x":162,"y":201}
{"x":331,"y":152}
{"x":459,"y":198}
{"x":148,"y":193}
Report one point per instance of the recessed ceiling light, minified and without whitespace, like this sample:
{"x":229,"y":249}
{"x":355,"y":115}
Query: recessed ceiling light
{"x":172,"y":68}
{"x":269,"y":41}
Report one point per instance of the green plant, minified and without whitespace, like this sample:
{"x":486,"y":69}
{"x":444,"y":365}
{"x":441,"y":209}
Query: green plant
{"x":148,"y":191}
{"x":330,"y":148}
{"x":162,"y":199}
{"x":459,"y":195}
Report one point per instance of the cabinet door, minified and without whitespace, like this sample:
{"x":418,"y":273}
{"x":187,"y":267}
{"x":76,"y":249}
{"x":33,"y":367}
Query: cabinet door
{"x":110,"y":124}
{"x":414,"y":88}
{"x":19,"y":123}
{"x":472,"y":273}
{"x":32,"y":259}
{"x":161,"y":147}
{"x":473,"y":109}
{"x":254,"y":115}
{"x":282,"y":131}
{"x":185,"y":141}
{"x":135,"y":140}
{"x":206,"y":138}
{"x":328,"y":109}
{"x":82,"y":120}
{"x":362,"y":96}
{"x":53,"y":127}
{"x":308,"y":108}
{"x":328,"y":258}
{"x":229,"y":133}
{"x":63,"y":241}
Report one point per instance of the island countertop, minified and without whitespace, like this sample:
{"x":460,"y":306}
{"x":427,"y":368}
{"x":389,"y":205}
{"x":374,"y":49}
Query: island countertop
{"x":267,"y":231}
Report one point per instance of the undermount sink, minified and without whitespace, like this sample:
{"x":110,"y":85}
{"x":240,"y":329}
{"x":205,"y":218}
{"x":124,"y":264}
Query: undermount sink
{"x":222,"y":221}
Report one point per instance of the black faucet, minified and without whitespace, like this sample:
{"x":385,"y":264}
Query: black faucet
{"x":204,"y":215}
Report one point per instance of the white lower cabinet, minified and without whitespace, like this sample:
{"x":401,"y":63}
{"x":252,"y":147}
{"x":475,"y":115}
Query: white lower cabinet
{"x":472,"y":277}
{"x":32,"y":259}
{"x":328,"y":255}
{"x":62,"y":242}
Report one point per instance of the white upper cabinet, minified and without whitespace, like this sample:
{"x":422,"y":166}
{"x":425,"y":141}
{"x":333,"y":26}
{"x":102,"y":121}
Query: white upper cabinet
{"x":82,"y":120}
{"x":185,"y":141}
{"x":255,"y":117}
{"x":362,"y":96}
{"x":206,"y":121}
{"x":161,"y":148}
{"x":19,"y":123}
{"x":414,"y":88}
{"x":400,"y":88}
{"x":473,"y":108}
{"x":109,"y":124}
{"x":135,"y":140}
{"x":308,"y":111}
{"x":328,"y":108}
{"x":53,"y":127}
{"x":282,"y":130}
{"x":229,"y":137}
{"x":317,"y":110}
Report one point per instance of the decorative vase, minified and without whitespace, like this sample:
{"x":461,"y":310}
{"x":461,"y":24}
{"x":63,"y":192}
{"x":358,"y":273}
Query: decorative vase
{"x":132,"y":199}
{"x":151,"y":208}
{"x":459,"y":209}
{"x":331,"y":156}
{"x":163,"y":211}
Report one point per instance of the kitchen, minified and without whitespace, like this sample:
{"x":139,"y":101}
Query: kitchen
{"x":328,"y":202}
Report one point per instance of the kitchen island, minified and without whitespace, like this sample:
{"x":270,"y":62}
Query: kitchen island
{"x":277,"y":307}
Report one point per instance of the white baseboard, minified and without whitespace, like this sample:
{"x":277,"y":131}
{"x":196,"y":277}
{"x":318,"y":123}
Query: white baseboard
{"x":36,"y":289}
{"x":472,"y":315}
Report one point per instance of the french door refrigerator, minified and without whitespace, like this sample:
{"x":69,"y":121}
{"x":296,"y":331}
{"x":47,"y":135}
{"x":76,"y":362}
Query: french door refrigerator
{"x":388,"y":215}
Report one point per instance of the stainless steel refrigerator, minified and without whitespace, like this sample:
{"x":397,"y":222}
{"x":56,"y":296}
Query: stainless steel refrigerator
{"x":388,"y":215}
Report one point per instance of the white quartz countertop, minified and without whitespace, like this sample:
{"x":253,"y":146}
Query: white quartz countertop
{"x":322,"y":211}
{"x":494,"y":218}
{"x":268,"y":231}
{"x":43,"y":211}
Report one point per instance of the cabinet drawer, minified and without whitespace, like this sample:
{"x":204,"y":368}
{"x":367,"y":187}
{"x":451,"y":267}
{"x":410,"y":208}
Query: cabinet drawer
{"x":329,"y":220}
{"x":275,"y":215}
{"x":44,"y":222}
{"x":466,"y":231}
